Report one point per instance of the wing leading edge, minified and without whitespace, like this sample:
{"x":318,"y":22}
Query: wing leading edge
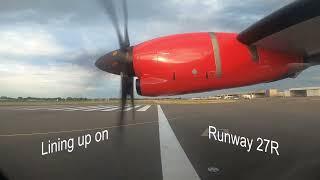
{"x":294,"y":29}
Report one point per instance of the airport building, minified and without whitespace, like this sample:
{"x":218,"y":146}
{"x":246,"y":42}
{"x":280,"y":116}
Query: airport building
{"x":272,"y":93}
{"x":293,"y":92}
{"x":303,"y":92}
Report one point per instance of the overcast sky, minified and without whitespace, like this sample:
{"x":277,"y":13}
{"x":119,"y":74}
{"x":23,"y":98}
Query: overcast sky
{"x":48,"y":48}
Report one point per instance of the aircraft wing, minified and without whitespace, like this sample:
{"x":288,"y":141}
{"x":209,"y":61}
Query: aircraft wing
{"x":294,"y":29}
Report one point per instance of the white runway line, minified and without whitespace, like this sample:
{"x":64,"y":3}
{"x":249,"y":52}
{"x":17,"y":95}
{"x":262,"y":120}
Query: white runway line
{"x":108,"y":106}
{"x":174,"y":161}
{"x":98,"y":108}
{"x":72,"y":108}
{"x":89,"y":108}
{"x":129,"y":108}
{"x":32,"y":109}
{"x":111,"y":109}
{"x":83,"y":108}
{"x":144,"y":108}
{"x":55,"y":109}
{"x":35,"y":108}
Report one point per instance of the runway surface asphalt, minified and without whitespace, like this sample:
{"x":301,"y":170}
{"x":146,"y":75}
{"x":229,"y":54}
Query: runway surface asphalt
{"x":163,"y":141}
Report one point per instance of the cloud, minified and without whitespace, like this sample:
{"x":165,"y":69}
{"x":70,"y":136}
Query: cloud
{"x":28,"y":42}
{"x":18,"y":79}
{"x":49,"y":47}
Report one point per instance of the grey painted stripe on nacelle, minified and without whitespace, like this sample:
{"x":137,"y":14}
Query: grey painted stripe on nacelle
{"x":216,"y":52}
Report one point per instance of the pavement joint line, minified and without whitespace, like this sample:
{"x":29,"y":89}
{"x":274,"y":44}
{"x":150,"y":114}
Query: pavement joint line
{"x":76,"y":130}
{"x":174,"y":161}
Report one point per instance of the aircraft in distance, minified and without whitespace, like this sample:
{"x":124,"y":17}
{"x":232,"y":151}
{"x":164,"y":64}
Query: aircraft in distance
{"x":278,"y":46}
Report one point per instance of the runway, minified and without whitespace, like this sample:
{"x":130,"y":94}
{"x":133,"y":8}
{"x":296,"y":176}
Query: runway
{"x":163,"y":141}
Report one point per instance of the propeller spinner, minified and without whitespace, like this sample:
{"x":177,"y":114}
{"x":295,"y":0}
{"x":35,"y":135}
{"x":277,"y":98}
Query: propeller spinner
{"x":119,"y":61}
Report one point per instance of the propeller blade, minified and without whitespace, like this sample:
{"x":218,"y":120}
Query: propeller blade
{"x":126,"y":35}
{"x":123,"y":96}
{"x":126,"y":90}
{"x":131,"y":93}
{"x":111,"y":12}
{"x":120,"y":61}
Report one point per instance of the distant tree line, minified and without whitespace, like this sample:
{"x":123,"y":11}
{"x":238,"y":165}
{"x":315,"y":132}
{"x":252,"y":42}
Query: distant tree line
{"x":61,"y":99}
{"x":5,"y":98}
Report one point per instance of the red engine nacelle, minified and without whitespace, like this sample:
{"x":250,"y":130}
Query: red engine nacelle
{"x":197,"y":62}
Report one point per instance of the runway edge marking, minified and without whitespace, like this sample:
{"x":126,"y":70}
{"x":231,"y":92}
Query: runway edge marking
{"x":174,"y":161}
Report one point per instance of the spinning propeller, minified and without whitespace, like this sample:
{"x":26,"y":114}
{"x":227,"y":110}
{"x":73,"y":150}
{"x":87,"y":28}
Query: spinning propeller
{"x":119,"y":61}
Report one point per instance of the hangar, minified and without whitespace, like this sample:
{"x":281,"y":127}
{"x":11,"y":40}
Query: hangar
{"x":303,"y":92}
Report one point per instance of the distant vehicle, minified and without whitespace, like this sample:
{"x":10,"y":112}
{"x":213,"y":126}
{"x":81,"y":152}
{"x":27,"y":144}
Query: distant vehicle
{"x":227,"y":97}
{"x":247,"y":96}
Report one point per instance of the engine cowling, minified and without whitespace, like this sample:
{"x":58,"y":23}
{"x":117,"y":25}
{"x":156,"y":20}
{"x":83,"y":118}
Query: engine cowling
{"x":197,"y":62}
{"x":174,"y":64}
